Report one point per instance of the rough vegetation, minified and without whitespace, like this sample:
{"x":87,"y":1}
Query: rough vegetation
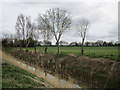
{"x":97,"y":72}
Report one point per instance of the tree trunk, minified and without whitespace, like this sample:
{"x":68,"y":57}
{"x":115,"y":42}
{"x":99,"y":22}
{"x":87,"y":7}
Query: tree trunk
{"x":35,"y":48}
{"x":20,"y":46}
{"x":82,"y":50}
{"x":46,"y":47}
{"x":27,"y":43}
{"x":58,"y":48}
{"x":26,"y":49}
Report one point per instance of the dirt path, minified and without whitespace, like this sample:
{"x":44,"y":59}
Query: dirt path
{"x":54,"y":81}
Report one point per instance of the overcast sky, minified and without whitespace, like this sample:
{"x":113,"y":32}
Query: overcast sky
{"x":103,"y":17}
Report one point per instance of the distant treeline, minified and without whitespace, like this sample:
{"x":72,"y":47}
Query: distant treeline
{"x":9,"y":42}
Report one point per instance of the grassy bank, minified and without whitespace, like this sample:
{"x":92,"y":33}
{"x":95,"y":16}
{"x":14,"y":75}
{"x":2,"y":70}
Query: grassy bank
{"x":14,"y":77}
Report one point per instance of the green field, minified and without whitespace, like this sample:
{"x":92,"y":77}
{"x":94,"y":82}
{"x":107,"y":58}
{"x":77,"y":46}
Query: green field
{"x":14,"y":77}
{"x":105,"y":52}
{"x":110,"y":52}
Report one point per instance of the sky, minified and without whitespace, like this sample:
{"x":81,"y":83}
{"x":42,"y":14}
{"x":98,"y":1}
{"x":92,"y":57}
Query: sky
{"x":102,"y":15}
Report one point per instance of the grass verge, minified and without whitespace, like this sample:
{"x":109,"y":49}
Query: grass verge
{"x":14,"y":77}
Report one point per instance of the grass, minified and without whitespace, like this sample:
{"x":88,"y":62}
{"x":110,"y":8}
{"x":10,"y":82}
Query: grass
{"x":110,"y":52}
{"x":14,"y":77}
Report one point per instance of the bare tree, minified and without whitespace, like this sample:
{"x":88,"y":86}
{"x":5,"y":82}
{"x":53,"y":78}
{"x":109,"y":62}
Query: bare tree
{"x":58,"y":22}
{"x":82,"y":28}
{"x":20,"y":26}
{"x":24,"y":29}
{"x":29,"y":33}
{"x":36,"y":35}
{"x":44,"y":27}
